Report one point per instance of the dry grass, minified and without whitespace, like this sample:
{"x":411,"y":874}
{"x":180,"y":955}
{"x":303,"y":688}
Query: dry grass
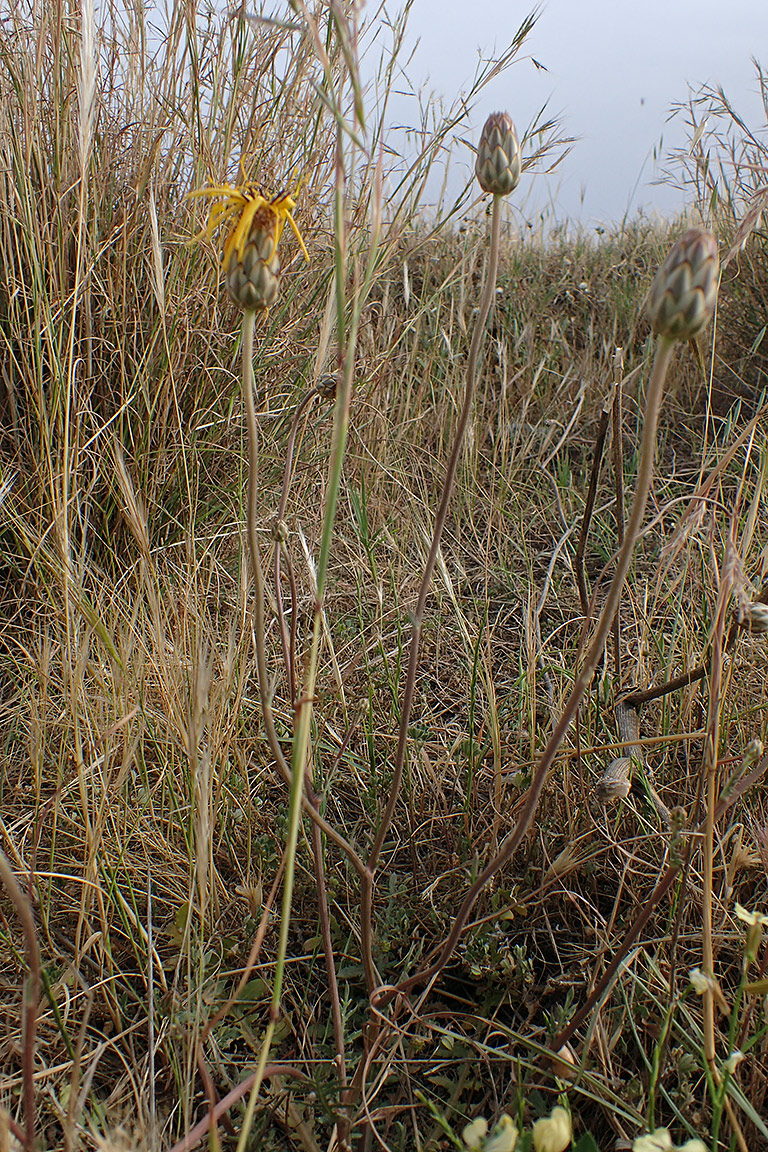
{"x":139,"y":807}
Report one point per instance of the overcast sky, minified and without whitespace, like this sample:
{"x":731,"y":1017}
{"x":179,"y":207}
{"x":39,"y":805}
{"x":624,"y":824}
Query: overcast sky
{"x":614,"y":70}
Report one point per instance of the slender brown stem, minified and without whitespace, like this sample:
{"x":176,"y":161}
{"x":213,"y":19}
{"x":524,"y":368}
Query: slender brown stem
{"x":196,"y":1134}
{"x":30,"y":998}
{"x":618,"y":480}
{"x":636,"y":699}
{"x":473,"y":361}
{"x":589,"y":505}
{"x":583,"y":680}
{"x":709,"y":770}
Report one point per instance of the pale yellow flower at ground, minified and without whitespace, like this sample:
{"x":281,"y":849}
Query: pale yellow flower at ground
{"x":701,"y":984}
{"x":754,"y":919}
{"x":503,"y":1138}
{"x":658,"y":1141}
{"x":661,"y":1141}
{"x":755,"y":922}
{"x":475,"y":1132}
{"x":552,"y":1133}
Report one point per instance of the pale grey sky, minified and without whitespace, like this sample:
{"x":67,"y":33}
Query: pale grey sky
{"x":614,"y":70}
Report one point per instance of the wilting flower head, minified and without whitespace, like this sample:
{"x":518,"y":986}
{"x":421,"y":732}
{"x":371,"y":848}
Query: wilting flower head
{"x":682,"y":297}
{"x":249,"y":256}
{"x":499,"y":161}
{"x":552,"y":1133}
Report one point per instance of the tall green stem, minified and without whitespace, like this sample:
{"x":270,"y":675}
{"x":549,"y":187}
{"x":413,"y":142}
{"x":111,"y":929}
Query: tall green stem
{"x":304,"y":705}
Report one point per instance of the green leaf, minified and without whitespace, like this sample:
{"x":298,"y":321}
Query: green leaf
{"x":586,"y":1143}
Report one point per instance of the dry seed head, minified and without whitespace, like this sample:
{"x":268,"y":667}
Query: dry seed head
{"x":253,"y":279}
{"x":683,"y":295}
{"x":499,"y":162}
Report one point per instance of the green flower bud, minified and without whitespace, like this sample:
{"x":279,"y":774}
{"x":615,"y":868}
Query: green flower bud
{"x":499,"y":161}
{"x":683,"y":295}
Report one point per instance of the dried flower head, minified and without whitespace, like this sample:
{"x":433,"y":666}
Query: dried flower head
{"x":683,"y":295}
{"x":254,"y":226}
{"x":499,"y":161}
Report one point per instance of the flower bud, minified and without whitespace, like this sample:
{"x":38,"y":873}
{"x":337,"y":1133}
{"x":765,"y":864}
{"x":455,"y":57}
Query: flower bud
{"x":253,"y":278}
{"x":552,"y":1133}
{"x":564,"y":1063}
{"x":499,"y":162}
{"x":683,"y":295}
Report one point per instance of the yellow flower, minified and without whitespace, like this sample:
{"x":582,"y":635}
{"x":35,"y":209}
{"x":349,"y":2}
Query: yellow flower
{"x":237,"y":209}
{"x":475,"y":1132}
{"x":503,"y":1138}
{"x":254,"y":225}
{"x":552,"y":1133}
{"x":755,"y":922}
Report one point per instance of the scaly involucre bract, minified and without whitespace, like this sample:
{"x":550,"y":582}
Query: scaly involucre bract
{"x":682,"y":297}
{"x":499,"y":161}
{"x":254,"y":226}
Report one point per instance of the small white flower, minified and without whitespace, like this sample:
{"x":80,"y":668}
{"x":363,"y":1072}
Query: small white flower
{"x":700,"y":984}
{"x":658,"y":1141}
{"x":474,"y":1133}
{"x":503,"y":1138}
{"x":733,"y":1061}
{"x":754,"y":919}
{"x":552,"y":1133}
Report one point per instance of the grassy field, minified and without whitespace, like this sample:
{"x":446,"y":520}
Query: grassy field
{"x":176,"y":931}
